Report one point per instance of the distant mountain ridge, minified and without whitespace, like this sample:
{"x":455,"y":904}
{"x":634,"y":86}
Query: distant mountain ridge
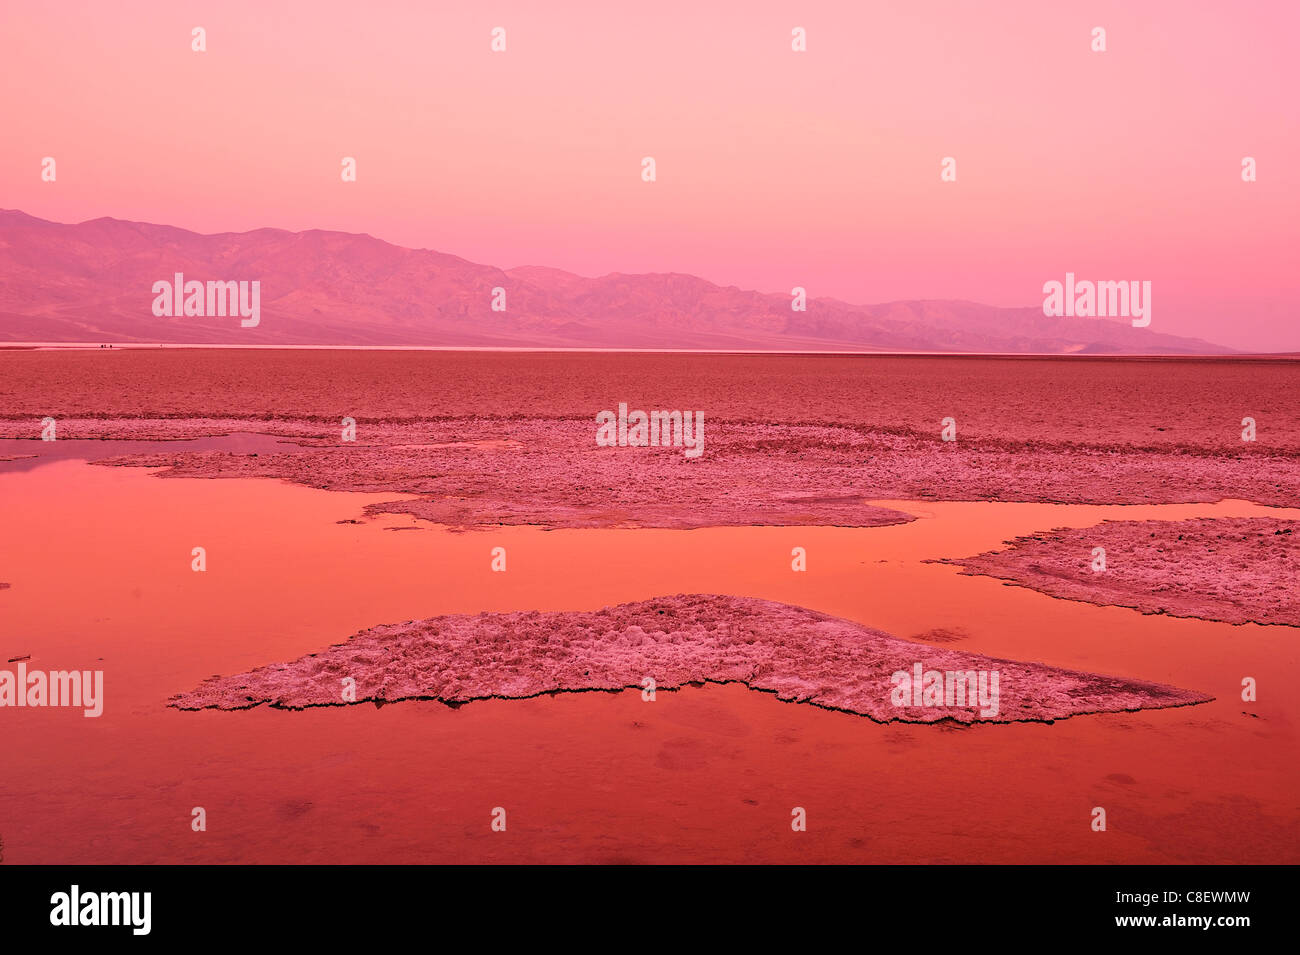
{"x":93,"y":282}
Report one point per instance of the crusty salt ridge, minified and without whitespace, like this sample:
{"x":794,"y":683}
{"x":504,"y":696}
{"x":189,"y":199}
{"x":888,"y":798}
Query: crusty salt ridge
{"x":549,"y":471}
{"x":1232,"y":569}
{"x":792,"y":440}
{"x":798,"y":654}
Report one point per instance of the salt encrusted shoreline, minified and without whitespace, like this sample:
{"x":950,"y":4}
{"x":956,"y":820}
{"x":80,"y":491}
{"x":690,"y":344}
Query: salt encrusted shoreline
{"x":798,"y":654}
{"x":1236,"y":570}
{"x":472,"y":471}
{"x":550,"y":472}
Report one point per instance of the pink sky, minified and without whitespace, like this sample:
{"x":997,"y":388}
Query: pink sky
{"x":775,"y":168}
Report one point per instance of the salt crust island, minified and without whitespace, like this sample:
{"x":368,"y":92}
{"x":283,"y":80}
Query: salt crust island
{"x":800,"y":655}
{"x":1234,"y":569}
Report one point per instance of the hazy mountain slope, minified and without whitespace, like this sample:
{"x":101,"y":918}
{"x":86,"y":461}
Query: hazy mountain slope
{"x":93,"y":282}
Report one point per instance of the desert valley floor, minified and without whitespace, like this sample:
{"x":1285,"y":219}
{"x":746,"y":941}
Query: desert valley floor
{"x":310,"y":541}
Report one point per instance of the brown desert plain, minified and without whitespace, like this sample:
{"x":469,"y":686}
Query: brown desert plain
{"x":522,"y":689}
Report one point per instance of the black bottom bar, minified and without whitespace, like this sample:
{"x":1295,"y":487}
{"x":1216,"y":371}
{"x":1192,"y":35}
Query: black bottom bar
{"x":377,"y":906}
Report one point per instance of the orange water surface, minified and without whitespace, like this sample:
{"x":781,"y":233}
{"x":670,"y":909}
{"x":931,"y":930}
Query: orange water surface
{"x":99,"y":562}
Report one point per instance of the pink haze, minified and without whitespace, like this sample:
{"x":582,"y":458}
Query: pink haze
{"x":775,"y":169}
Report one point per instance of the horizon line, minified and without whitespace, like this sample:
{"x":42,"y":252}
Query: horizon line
{"x":19,"y":345}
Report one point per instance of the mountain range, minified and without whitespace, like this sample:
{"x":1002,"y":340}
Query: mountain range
{"x":93,"y":281}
